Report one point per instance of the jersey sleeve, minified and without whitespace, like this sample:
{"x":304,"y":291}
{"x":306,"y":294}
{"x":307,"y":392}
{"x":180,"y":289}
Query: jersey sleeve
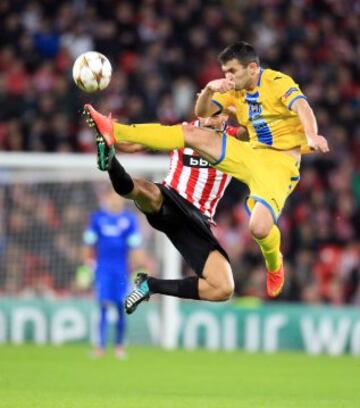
{"x":287,"y":89}
{"x":90,"y":235}
{"x":222,"y":100}
{"x":133,"y":236}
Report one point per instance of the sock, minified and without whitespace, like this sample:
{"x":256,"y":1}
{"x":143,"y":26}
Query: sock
{"x":152,"y":135}
{"x":270,"y":248}
{"x":120,"y":325}
{"x":122,"y":182}
{"x":183,"y":288}
{"x":102,"y":327}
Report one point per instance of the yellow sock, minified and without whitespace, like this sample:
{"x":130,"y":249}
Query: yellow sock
{"x":151,"y":135}
{"x":270,"y":248}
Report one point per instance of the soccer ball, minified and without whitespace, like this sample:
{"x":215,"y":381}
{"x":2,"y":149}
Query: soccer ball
{"x":92,"y":71}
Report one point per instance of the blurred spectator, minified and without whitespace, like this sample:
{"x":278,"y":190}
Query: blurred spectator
{"x":46,"y":40}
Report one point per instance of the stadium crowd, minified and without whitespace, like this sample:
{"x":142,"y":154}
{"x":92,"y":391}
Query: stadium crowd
{"x":163,"y":52}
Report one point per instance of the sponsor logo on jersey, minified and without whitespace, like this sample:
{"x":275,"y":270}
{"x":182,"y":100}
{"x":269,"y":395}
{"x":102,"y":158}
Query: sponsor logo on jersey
{"x":193,"y":161}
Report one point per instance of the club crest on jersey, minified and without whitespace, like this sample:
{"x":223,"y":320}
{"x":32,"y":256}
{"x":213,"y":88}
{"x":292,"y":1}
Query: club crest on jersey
{"x":255,"y":110}
{"x":194,"y":161}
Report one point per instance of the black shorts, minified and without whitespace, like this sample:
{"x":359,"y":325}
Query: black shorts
{"x":187,"y":228}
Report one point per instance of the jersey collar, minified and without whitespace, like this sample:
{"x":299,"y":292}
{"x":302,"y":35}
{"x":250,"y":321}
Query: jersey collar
{"x":260,"y":75}
{"x":255,"y":91}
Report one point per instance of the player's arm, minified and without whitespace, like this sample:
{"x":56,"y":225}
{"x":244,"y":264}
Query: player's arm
{"x":205,"y":104}
{"x":242,"y":134}
{"x":307,"y":118}
{"x":292,"y":97}
{"x":89,"y":255}
{"x":85,"y":272}
{"x":239,"y":132}
{"x":90,"y":237}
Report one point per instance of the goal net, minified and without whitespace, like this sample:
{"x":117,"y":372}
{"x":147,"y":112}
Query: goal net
{"x":45,"y":202}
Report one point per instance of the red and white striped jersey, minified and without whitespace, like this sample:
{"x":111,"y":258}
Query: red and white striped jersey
{"x":195,"y":180}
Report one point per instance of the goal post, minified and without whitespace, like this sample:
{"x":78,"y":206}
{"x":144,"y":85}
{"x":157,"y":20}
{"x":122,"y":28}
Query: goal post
{"x":44,"y":199}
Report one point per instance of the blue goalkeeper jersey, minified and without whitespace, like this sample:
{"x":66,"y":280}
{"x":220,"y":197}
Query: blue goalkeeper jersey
{"x":112,"y":236}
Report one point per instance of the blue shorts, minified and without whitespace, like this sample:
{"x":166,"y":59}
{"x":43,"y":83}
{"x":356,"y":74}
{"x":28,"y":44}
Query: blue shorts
{"x":111,"y":287}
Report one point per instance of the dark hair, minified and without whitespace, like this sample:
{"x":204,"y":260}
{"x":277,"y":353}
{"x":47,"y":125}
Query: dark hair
{"x":241,"y":51}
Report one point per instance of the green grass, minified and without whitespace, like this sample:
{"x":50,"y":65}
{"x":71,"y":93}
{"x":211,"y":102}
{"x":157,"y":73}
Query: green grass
{"x":66,"y":377}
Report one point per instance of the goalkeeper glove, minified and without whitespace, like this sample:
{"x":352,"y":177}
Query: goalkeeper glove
{"x":84,"y":277}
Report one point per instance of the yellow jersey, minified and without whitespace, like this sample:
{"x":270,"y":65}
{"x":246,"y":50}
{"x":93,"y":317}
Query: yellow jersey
{"x":266,"y":111}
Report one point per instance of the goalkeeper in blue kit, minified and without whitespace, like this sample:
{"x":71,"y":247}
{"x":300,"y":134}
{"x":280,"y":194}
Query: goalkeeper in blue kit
{"x":112,"y":247}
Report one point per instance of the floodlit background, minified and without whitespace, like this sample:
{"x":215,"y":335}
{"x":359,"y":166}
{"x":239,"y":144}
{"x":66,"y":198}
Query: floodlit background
{"x":163,"y":52}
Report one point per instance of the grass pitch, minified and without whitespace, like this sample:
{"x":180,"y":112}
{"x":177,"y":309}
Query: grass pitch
{"x":66,"y":377}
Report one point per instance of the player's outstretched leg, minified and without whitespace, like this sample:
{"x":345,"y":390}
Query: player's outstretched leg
{"x":105,"y":154}
{"x":139,"y":294}
{"x":99,"y":351}
{"x":268,"y":237}
{"x":122,"y":182}
{"x":216,"y":285}
{"x":275,"y":281}
{"x":152,"y":135}
{"x":156,"y":136}
{"x":105,"y":140}
{"x":103,"y":125}
{"x":120,"y":352}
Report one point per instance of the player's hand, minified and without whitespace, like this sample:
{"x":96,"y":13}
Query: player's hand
{"x":318,"y":143}
{"x":221,"y":85}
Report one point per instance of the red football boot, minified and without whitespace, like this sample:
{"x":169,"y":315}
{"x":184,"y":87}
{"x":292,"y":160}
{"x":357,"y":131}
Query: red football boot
{"x":275,"y":282}
{"x":103,"y":124}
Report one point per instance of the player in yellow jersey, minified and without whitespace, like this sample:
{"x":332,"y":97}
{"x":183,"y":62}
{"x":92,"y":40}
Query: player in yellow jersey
{"x":280,"y":123}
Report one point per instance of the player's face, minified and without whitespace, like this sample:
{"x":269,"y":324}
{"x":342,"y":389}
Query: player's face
{"x":242,"y":76}
{"x":113,"y":202}
{"x":215,"y":122}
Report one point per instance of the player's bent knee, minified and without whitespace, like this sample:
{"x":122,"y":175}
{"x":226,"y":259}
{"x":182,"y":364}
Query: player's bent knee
{"x":147,"y":195}
{"x":259,"y":229}
{"x":226,"y":292}
{"x":226,"y":289}
{"x":218,"y":276}
{"x":261,"y":221}
{"x":229,"y":289}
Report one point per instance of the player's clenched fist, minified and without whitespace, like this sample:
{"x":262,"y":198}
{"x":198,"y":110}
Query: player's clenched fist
{"x":221,"y":85}
{"x":318,"y":143}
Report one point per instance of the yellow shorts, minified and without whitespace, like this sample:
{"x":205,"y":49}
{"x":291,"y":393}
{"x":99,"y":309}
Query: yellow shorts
{"x":271,"y":175}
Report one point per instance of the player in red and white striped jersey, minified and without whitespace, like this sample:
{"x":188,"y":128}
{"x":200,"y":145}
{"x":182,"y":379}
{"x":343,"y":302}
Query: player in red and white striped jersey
{"x":195,"y":179}
{"x":182,"y":207}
